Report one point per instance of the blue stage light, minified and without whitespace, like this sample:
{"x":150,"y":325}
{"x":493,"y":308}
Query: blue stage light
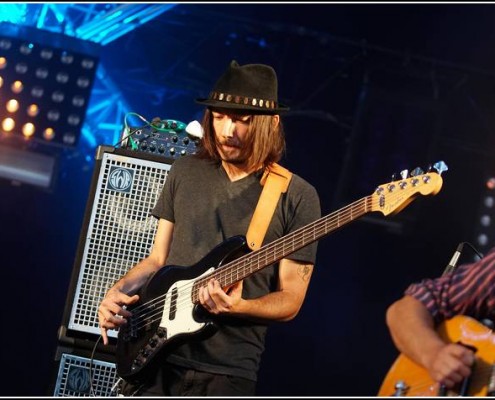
{"x":14,"y":13}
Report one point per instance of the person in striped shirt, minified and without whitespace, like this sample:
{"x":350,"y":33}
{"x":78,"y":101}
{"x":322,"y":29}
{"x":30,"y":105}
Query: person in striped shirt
{"x":468,"y":290}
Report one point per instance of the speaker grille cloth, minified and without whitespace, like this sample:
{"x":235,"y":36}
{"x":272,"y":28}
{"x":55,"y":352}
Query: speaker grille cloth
{"x":120,"y":231}
{"x":76,"y":373}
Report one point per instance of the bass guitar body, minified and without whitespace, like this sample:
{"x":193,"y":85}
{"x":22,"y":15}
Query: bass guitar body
{"x":167,"y":313}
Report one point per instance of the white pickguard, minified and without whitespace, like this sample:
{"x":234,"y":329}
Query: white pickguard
{"x":183,"y":321}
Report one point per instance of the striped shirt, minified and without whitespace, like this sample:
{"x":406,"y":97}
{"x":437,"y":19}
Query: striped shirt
{"x":468,"y":290}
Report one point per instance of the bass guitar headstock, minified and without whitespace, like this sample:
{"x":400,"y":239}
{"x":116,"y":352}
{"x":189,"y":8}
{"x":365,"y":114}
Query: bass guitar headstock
{"x":392,"y":197}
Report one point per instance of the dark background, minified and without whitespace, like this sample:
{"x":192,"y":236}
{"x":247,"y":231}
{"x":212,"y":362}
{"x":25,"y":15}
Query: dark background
{"x":373,"y":90}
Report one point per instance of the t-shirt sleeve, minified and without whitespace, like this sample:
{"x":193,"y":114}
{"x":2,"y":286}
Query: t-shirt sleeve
{"x":164,"y":206}
{"x":304,"y":209}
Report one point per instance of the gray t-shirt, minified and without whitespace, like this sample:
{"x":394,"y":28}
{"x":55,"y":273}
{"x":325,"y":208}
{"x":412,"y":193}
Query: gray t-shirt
{"x":206,"y":209}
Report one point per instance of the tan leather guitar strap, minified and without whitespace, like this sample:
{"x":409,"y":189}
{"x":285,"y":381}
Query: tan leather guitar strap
{"x":275,"y":181}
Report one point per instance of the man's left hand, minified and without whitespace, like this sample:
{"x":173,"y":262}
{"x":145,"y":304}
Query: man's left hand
{"x":217,"y":300}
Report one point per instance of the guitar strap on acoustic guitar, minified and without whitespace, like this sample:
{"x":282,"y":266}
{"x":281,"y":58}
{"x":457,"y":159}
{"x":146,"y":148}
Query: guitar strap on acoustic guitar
{"x":275,"y":181}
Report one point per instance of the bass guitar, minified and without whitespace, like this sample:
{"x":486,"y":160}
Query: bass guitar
{"x":406,"y":378}
{"x":168,"y":310}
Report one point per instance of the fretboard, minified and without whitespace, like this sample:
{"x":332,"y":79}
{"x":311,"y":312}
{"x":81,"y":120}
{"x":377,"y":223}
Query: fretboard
{"x":250,"y":263}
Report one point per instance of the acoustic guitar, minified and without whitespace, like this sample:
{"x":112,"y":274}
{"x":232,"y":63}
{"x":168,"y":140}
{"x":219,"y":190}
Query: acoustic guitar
{"x":406,"y":378}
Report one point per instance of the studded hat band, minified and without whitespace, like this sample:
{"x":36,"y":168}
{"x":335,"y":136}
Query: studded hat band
{"x":229,"y":98}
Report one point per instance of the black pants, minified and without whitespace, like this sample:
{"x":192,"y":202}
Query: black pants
{"x":176,"y":381}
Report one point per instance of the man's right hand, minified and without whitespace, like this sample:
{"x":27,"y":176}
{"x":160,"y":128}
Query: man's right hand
{"x":451,"y":364}
{"x":112,"y":312}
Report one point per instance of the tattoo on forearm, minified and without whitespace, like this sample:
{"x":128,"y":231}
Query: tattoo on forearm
{"x":304,"y":272}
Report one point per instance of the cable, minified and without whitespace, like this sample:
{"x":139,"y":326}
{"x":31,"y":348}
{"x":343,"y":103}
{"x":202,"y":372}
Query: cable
{"x":452,"y":265}
{"x":93,"y":394}
{"x":155,"y":124}
{"x":453,"y":261}
{"x":474,"y":249}
{"x":127,"y":129}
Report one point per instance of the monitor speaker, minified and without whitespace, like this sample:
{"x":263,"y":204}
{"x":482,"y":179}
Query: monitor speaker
{"x":82,"y":373}
{"x":118,"y":231}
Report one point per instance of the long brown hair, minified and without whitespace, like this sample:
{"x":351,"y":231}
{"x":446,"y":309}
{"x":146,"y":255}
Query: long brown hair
{"x":265,"y":141}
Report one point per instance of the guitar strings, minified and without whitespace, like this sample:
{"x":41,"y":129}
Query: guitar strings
{"x":145,"y":313}
{"x":345,"y":215}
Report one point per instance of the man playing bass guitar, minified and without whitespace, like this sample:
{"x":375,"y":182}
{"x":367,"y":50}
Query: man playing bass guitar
{"x":207,"y":198}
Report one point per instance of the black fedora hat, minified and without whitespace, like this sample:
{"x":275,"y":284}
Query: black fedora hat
{"x":251,"y":87}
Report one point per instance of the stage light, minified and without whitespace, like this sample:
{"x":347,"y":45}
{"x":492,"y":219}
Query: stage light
{"x":45,"y":84}
{"x":28,"y":129}
{"x":488,"y":201}
{"x":48,"y":133}
{"x":485,"y":227}
{"x":8,"y":124}
{"x":12,"y":105}
{"x":17,"y":87}
{"x":482,"y":239}
{"x":33,"y":110}
{"x":490,"y":183}
{"x":485,"y":220}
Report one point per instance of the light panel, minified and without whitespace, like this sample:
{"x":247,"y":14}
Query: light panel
{"x":46,"y":81}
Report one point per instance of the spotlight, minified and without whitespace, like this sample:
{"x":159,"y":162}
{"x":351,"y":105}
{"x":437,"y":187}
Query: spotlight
{"x":45,"y":84}
{"x":28,"y":129}
{"x":33,"y":110}
{"x":490,"y":183}
{"x":485,"y":220}
{"x":12,"y":105}
{"x":488,"y":201}
{"x":8,"y":124}
{"x":48,"y":133}
{"x":17,"y":87}
{"x":482,"y":239}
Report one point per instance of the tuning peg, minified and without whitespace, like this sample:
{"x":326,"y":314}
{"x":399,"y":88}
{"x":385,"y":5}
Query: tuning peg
{"x":404,"y":173}
{"x":417,"y":171}
{"x":396,"y":177}
{"x":440,"y":166}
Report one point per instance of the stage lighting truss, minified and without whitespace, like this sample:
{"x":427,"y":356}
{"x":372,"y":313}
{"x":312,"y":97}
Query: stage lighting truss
{"x":44,"y":90}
